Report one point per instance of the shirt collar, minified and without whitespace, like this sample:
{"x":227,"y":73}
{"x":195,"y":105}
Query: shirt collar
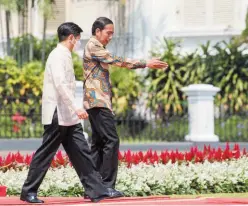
{"x":94,"y":39}
{"x":63,"y":48}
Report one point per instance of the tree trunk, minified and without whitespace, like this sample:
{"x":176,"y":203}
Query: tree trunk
{"x":7,"y":14}
{"x":43,"y":54}
{"x":26,"y":16}
{"x":31,"y":45}
{"x":2,"y":33}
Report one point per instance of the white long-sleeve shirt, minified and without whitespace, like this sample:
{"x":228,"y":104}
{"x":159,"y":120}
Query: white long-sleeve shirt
{"x":59,"y":88}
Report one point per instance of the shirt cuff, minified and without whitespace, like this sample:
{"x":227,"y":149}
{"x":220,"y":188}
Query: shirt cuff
{"x":139,"y":64}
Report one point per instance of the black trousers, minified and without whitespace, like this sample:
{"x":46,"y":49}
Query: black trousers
{"x":77,"y":149}
{"x":105,"y":144}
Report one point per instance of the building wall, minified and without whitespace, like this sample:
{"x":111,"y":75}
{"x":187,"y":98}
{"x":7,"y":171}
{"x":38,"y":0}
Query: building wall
{"x":193,"y":21}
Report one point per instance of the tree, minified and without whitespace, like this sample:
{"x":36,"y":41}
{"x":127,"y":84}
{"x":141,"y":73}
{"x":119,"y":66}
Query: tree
{"x":8,"y":5}
{"x":46,"y":7}
{"x":31,"y":50}
{"x":22,"y":8}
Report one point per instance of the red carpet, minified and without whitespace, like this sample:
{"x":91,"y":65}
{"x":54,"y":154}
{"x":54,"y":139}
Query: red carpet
{"x":151,"y":201}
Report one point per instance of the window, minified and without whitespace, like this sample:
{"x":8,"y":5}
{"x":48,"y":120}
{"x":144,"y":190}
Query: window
{"x":223,"y":12}
{"x":206,"y":17}
{"x":194,"y":13}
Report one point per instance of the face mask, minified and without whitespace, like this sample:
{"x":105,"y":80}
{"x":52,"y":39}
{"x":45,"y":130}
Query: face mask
{"x":77,"y":45}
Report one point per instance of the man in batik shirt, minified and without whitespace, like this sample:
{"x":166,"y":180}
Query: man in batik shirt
{"x":97,"y":98}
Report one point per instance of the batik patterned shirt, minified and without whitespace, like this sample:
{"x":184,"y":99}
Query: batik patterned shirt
{"x":97,"y":84}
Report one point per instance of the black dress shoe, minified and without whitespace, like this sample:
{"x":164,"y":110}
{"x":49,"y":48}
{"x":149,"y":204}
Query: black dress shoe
{"x":98,"y":199}
{"x":113,"y":193}
{"x":31,"y":199}
{"x":86,"y":197}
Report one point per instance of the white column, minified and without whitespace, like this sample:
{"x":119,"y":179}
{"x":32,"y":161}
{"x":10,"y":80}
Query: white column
{"x":79,"y":101}
{"x":201,"y":112}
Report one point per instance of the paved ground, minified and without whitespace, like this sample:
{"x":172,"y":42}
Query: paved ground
{"x":128,"y":201}
{"x":30,"y":145}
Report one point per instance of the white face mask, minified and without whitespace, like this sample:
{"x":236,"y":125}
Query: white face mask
{"x":77,"y":45}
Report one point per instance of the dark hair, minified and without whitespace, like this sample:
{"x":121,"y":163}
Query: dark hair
{"x":100,"y":23}
{"x":66,"y":29}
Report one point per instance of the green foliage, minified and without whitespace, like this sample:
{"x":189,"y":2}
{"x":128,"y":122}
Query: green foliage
{"x":196,"y":65}
{"x":165,"y":85}
{"x":224,"y":65}
{"x":155,"y":189}
{"x":78,"y":67}
{"x":229,"y":71}
{"x":126,"y":86}
{"x":158,"y":130}
{"x":9,"y":4}
{"x":46,"y":8}
{"x":233,"y":128}
{"x":8,"y":75}
{"x":20,"y":48}
{"x":227,"y":68}
{"x":75,"y":191}
{"x":148,"y":180}
{"x":20,"y":82}
{"x":244,"y":34}
{"x":20,"y":93}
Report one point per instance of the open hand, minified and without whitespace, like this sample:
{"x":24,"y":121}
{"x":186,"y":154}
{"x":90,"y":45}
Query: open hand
{"x":156,"y":64}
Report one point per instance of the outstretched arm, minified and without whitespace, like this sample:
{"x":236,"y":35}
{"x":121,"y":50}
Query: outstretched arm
{"x":99,"y":53}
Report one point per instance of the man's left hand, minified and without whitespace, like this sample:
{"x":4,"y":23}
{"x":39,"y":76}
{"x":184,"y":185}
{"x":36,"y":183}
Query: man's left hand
{"x":156,"y":64}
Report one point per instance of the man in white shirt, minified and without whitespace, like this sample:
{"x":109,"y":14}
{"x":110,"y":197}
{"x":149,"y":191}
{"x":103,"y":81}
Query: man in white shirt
{"x":61,"y":119}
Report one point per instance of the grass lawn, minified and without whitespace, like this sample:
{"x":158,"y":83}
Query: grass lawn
{"x":231,"y":195}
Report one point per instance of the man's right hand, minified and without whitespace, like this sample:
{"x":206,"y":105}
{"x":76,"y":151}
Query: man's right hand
{"x":82,"y":114}
{"x":156,"y":64}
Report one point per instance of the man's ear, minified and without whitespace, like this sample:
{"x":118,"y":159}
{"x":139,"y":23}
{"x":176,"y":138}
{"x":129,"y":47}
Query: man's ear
{"x":97,"y":30}
{"x":70,"y":37}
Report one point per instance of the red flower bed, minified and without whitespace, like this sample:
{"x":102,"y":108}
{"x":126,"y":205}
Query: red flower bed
{"x":194,"y":155}
{"x":16,"y":160}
